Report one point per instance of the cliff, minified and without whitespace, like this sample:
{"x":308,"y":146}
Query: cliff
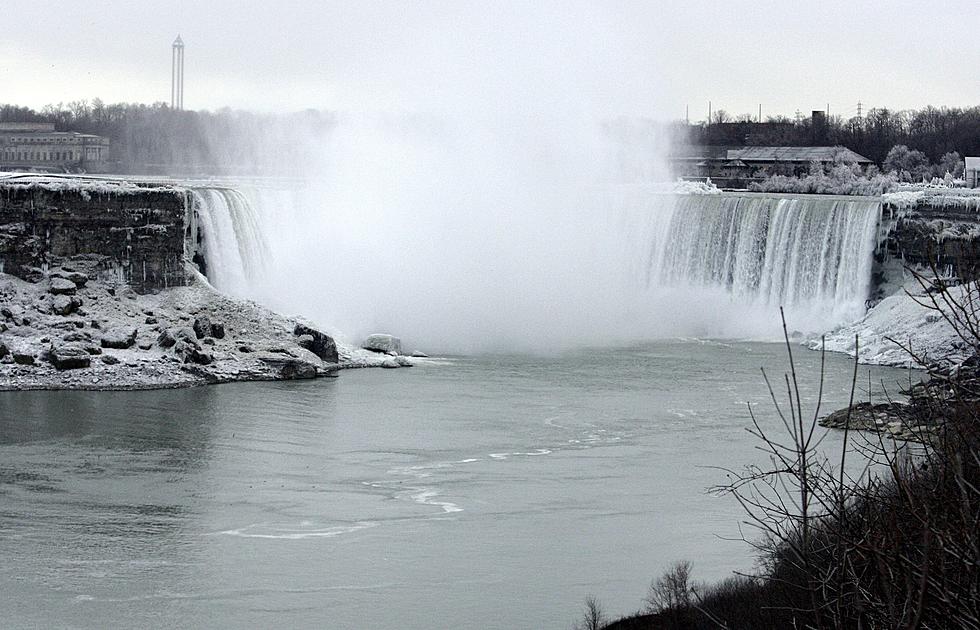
{"x":135,"y":233}
{"x":937,"y":227}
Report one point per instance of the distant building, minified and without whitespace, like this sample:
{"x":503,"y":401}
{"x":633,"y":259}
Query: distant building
{"x":972,"y":172}
{"x":794,"y":160}
{"x":38,"y":147}
{"x":737,"y":167}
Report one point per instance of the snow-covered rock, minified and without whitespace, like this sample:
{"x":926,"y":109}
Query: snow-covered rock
{"x":899,"y":323}
{"x":383,"y":343}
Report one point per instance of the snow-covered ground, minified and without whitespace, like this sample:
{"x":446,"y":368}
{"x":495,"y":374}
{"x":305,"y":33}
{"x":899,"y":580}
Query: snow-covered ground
{"x":903,"y":321}
{"x":254,"y":343}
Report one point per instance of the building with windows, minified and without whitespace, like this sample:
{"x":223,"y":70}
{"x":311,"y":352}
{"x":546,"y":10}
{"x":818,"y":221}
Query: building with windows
{"x":38,"y":147}
{"x":972,"y":172}
{"x":737,"y":167}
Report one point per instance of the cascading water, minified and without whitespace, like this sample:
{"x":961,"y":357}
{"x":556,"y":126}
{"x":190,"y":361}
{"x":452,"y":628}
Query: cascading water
{"x":812,"y":255}
{"x":671,"y":265}
{"x":233,"y":245}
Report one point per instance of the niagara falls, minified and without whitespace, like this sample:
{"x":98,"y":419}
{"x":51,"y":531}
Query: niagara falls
{"x":577,"y":315}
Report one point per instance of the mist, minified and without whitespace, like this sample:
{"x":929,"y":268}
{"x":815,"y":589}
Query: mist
{"x":462,"y":231}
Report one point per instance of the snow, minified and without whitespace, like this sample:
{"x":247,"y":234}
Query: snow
{"x":684,"y":187}
{"x":910,"y":197}
{"x":902,"y":319}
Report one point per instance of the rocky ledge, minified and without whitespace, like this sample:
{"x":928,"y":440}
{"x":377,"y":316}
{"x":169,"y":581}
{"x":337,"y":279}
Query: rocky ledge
{"x":923,"y":418}
{"x":66,"y":330}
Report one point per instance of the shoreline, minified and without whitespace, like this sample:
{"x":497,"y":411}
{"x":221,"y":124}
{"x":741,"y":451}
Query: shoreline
{"x":72,"y":329}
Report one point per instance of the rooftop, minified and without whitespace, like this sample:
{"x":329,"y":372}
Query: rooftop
{"x":795,"y":154}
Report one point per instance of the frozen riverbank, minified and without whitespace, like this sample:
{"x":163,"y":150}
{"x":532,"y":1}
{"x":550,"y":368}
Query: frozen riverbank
{"x":904,"y":329}
{"x":65,"y":331}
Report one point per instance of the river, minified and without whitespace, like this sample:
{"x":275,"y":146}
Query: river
{"x":492,"y":491}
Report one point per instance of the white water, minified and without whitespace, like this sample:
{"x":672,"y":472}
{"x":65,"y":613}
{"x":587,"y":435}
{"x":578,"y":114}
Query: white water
{"x":233,"y":243}
{"x":624,"y":263}
{"x":810,"y":255}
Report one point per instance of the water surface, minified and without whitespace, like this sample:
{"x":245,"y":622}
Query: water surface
{"x":492,"y":492}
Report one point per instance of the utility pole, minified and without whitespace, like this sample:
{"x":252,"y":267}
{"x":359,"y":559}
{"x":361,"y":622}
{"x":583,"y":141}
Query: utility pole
{"x":760,"y":112}
{"x":687,"y":114}
{"x":860,"y":105}
{"x":709,"y":113}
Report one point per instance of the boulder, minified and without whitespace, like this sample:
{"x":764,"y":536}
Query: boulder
{"x":390,"y":364}
{"x":185,"y":333}
{"x":420,"y":355}
{"x":217,"y":330}
{"x":191,"y":353}
{"x":290,"y":368}
{"x":166,"y":339}
{"x":305,"y":341}
{"x":119,"y":339}
{"x":202,"y":326}
{"x":32,"y":274}
{"x":171,"y":336}
{"x":69,"y":356}
{"x":383,"y":343}
{"x":62,"y":286}
{"x":76,"y":336}
{"x":76,"y":277}
{"x":23,"y":358}
{"x":4,"y":351}
{"x":322,"y":345}
{"x":65,"y":305}
{"x":108,"y":359}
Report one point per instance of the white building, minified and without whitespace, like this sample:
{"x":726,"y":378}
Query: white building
{"x":38,"y":147}
{"x":972,"y":173}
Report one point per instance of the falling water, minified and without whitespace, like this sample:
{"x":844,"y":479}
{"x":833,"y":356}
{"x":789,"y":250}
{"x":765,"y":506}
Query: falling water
{"x":233,"y":244}
{"x":673,"y":265}
{"x":811,"y":255}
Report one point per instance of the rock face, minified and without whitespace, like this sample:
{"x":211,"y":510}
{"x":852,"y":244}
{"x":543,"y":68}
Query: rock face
{"x":383,"y":343}
{"x":317,"y":342}
{"x":138,"y":231}
{"x":927,"y":233}
{"x":69,"y":356}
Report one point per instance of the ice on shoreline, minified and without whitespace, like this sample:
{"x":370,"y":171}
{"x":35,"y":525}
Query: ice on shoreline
{"x":899,"y":323}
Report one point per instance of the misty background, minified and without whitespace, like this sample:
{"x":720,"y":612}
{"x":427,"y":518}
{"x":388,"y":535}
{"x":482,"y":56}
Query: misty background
{"x":469,"y":171}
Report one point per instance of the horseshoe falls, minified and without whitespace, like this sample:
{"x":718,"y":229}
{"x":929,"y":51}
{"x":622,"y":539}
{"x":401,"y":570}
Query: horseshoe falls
{"x":811,"y":255}
{"x":617,"y":268}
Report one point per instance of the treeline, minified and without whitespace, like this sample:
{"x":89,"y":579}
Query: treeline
{"x":157,"y":139}
{"x":935,"y":131}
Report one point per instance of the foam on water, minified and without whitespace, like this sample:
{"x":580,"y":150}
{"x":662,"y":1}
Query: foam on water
{"x":283,"y":532}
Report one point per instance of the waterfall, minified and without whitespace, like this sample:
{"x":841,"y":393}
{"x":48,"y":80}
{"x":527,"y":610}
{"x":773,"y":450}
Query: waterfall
{"x":628,"y":263}
{"x":233,"y":245}
{"x":812,"y":255}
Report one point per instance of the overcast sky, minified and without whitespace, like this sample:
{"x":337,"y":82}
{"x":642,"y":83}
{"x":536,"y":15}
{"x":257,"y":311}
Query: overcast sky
{"x":634,"y":58}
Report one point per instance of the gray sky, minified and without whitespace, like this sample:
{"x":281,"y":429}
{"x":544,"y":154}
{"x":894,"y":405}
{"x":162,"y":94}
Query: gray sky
{"x":633,"y":58}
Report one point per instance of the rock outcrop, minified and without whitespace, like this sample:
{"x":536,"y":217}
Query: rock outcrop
{"x":383,"y":343}
{"x":318,"y":343}
{"x":136,"y":232}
